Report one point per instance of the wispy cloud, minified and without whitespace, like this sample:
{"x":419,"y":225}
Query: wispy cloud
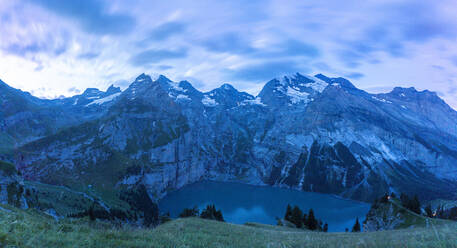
{"x":92,"y":15}
{"x":262,"y":71}
{"x":153,"y":56}
{"x":165,"y":31}
{"x":376,"y":44}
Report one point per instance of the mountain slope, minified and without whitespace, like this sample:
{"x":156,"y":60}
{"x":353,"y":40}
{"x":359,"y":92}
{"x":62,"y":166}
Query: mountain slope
{"x":24,"y":118}
{"x":311,"y":133}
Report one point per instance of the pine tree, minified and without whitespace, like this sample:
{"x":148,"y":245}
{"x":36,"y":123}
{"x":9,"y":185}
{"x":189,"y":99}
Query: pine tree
{"x":375,"y":204}
{"x":218,"y":216}
{"x":356,"y":227}
{"x":416,"y":205}
{"x":404,"y":200}
{"x":297,"y":217}
{"x":288,"y":215}
{"x":393,"y":195}
{"x":312,"y":222}
{"x":305,"y":220}
{"x":325,"y":227}
{"x":189,"y":212}
{"x":91,"y":213}
{"x":429,"y":211}
{"x":385,"y":198}
{"x":211,"y":213}
{"x":440,"y":212}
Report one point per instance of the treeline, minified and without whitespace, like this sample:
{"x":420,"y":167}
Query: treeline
{"x":442,"y":213}
{"x":210,"y":213}
{"x":413,"y":204}
{"x":302,"y":220}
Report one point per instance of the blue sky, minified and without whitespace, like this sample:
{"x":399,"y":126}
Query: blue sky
{"x":53,"y":47}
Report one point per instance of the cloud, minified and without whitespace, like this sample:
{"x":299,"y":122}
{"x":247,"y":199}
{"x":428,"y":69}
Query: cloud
{"x":265,"y":70}
{"x":388,"y":42}
{"x":92,"y":15}
{"x":454,"y":60}
{"x":153,"y":56}
{"x":164,"y":67}
{"x":240,"y":44}
{"x":322,"y":66}
{"x":74,"y":90}
{"x":229,"y":42}
{"x":166,"y":30}
{"x":294,"y":47}
{"x":355,"y":75}
{"x":400,"y":24}
{"x":421,"y":21}
{"x":48,"y":45}
{"x":452,"y":90}
{"x":89,"y":55}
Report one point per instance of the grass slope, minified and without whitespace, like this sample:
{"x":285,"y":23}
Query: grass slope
{"x":394,"y":215}
{"x":30,"y":228}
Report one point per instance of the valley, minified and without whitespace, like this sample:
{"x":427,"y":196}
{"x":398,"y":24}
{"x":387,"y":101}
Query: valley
{"x":129,"y":157}
{"x":242,"y":203}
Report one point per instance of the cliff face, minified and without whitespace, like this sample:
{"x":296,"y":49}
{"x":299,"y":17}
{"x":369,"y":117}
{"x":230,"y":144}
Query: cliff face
{"x":310,"y":133}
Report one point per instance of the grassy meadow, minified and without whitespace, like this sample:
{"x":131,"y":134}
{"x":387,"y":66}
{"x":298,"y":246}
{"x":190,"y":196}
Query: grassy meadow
{"x":31,"y":228}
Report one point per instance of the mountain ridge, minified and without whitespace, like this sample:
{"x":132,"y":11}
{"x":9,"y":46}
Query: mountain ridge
{"x":310,"y":133}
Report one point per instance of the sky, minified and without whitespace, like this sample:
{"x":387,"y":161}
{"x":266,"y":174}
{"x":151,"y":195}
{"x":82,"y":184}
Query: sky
{"x":55,"y":48}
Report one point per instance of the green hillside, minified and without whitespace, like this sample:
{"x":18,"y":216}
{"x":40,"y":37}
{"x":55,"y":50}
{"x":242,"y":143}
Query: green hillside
{"x":30,"y":228}
{"x":392,"y":215}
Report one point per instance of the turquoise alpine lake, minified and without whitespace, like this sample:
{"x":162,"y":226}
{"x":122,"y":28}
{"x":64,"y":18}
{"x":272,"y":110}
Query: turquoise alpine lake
{"x":241,"y":203}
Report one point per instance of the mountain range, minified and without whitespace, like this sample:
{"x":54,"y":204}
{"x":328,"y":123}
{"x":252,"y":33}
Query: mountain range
{"x":312,"y":133}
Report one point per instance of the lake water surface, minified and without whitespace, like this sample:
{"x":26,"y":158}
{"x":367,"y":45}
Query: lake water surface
{"x":241,"y":203}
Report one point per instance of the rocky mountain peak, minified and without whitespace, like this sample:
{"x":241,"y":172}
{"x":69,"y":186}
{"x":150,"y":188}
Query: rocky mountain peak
{"x":339,"y":81}
{"x":411,"y":92}
{"x":226,"y":95}
{"x":143,"y":78}
{"x":89,"y":92}
{"x":292,"y":90}
{"x":227,"y":86}
{"x":113,"y":90}
{"x":163,"y":79}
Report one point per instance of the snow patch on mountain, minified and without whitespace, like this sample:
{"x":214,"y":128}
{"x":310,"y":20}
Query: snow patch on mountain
{"x":176,"y":87}
{"x":381,"y":99}
{"x":105,"y":99}
{"x":255,"y":101}
{"x":183,"y":97}
{"x":318,"y":85}
{"x":207,"y":101}
{"x":296,"y":96}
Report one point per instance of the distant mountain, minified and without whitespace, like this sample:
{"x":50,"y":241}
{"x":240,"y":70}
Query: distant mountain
{"x":24,"y":118}
{"x":312,"y":133}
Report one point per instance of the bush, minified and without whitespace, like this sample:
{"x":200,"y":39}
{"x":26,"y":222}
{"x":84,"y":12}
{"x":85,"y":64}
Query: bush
{"x":164,"y":218}
{"x":189,"y":212}
{"x":211,"y":213}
